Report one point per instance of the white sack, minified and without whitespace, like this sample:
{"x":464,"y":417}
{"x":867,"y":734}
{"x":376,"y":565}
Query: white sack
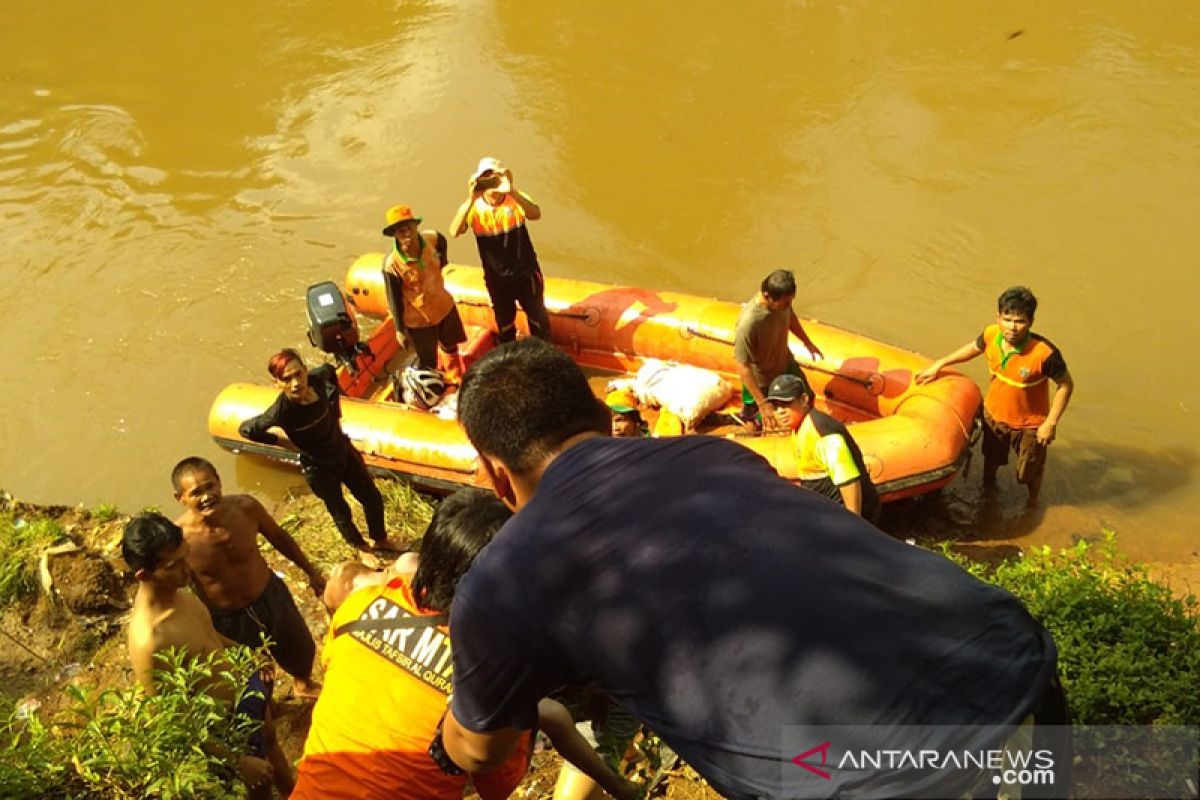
{"x":688,"y":392}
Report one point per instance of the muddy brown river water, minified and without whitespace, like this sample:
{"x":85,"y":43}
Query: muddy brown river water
{"x":172,"y":176}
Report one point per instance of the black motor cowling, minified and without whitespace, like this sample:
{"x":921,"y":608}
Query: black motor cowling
{"x":332,"y":326}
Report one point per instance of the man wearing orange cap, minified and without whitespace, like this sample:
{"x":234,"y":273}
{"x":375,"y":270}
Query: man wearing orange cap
{"x":421,"y":307}
{"x":496,"y":212}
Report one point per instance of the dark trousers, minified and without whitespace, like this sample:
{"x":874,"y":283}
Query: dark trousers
{"x":448,"y":333}
{"x":529,"y":291}
{"x":326,"y":483}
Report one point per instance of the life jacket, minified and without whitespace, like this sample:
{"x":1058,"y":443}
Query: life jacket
{"x":1019,"y":394}
{"x":505,"y":249}
{"x":496,"y":220}
{"x":425,"y":299}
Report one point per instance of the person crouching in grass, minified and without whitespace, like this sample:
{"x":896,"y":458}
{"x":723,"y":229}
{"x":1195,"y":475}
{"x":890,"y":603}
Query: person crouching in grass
{"x":166,"y":615}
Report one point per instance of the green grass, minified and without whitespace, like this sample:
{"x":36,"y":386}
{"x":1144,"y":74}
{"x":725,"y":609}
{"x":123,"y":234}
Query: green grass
{"x":105,"y":512}
{"x":22,"y":540}
{"x":406,"y":511}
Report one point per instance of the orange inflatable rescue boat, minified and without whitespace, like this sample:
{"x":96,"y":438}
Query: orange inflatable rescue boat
{"x":913,"y":438}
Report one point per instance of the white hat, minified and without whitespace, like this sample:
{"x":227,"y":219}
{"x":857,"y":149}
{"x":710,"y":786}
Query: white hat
{"x":486,"y":164}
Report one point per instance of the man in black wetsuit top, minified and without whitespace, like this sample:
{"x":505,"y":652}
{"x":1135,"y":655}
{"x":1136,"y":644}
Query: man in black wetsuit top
{"x":308,"y":410}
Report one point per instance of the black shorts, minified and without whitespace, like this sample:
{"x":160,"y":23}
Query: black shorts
{"x":448,"y":333}
{"x":273,"y":614}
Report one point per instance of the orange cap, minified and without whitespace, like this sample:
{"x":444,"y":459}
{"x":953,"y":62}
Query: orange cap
{"x":397,"y":215}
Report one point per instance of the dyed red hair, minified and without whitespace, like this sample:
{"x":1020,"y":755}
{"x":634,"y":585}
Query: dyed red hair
{"x":280,"y":360}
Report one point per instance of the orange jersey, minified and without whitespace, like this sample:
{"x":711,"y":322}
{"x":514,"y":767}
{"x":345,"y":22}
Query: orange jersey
{"x":1019,"y":395}
{"x":385,"y":693}
{"x":426,"y":301}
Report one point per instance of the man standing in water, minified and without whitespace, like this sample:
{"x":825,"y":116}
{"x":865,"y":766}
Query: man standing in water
{"x":309,"y":411}
{"x":497,"y":212}
{"x":760,"y":345}
{"x":165,"y":615}
{"x":1018,"y":412}
{"x":248,"y":601}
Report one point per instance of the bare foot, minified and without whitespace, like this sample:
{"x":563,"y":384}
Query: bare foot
{"x":370,"y":560}
{"x":306,"y":689}
{"x":385,"y":546}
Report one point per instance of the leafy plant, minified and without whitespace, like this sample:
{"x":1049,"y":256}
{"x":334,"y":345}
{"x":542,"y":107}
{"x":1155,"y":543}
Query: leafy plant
{"x":127,"y":744}
{"x":408,"y":511}
{"x":105,"y":512}
{"x":1128,"y":653}
{"x":1128,"y":649}
{"x":21,"y":543}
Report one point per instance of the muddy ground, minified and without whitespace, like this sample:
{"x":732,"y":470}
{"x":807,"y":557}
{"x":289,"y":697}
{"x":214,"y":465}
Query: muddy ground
{"x":75,"y":633}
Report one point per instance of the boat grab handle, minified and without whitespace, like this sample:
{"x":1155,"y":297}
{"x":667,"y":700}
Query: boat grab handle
{"x":589,"y":316}
{"x":874,"y":383}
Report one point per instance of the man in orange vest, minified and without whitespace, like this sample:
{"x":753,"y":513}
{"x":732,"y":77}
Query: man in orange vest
{"x":1018,"y":411}
{"x":417,"y":297}
{"x":376,"y":729}
{"x":497,"y":212}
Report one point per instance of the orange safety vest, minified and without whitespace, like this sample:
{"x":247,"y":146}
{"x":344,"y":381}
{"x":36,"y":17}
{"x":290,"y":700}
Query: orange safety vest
{"x":1018,"y":395}
{"x":426,"y":301}
{"x":490,"y":220}
{"x":385,"y":693}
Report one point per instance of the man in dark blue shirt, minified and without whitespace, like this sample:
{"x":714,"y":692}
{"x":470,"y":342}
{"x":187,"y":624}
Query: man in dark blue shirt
{"x":715,"y":601}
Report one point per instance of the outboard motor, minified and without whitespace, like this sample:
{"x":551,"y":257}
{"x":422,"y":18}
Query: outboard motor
{"x":332,"y":326}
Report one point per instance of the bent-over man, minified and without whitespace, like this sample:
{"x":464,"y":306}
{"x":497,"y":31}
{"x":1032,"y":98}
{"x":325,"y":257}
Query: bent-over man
{"x":757,"y":606}
{"x":828,"y":460}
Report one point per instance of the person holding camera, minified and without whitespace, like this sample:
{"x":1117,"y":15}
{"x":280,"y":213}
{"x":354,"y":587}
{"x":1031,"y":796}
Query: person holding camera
{"x":496,"y":213}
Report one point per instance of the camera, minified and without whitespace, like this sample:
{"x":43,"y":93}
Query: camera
{"x":489,"y":181}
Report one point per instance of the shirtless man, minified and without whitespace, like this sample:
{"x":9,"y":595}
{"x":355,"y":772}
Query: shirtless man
{"x":246,"y":598}
{"x":165,"y":616}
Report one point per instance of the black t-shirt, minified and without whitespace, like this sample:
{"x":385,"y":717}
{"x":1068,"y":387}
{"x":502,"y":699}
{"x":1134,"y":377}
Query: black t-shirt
{"x":315,"y":428}
{"x":826,"y":425}
{"x":718,"y":603}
